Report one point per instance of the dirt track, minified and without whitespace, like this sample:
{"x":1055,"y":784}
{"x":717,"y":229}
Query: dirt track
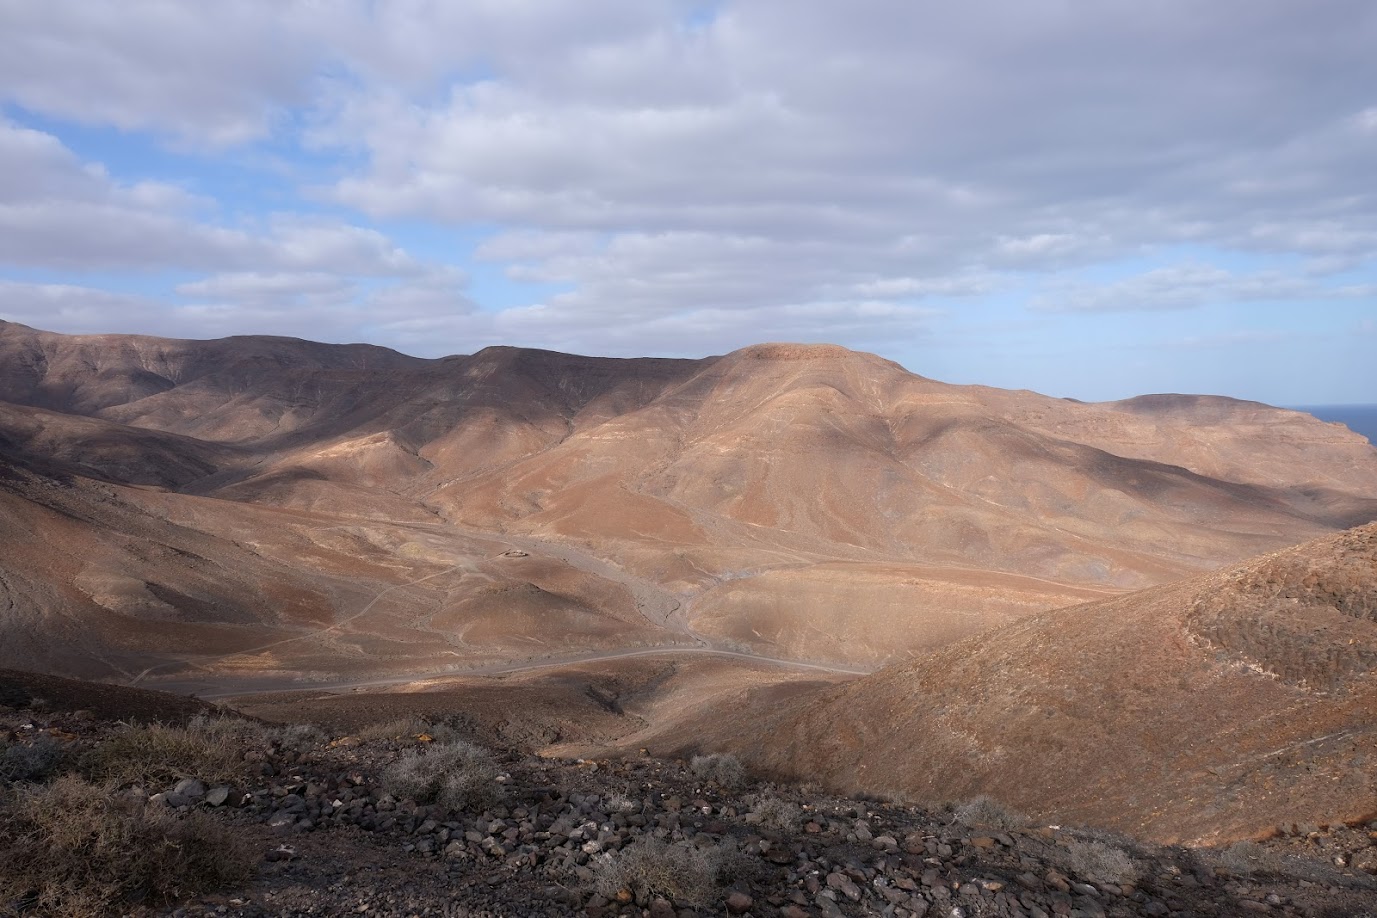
{"x":659,"y":606}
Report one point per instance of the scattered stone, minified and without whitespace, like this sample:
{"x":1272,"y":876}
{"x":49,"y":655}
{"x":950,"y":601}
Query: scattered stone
{"x":738,"y":903}
{"x":217,"y":796}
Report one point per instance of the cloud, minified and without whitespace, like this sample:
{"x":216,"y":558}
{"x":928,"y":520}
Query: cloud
{"x":916,"y":287}
{"x":58,"y":212}
{"x":250,"y":287}
{"x":768,"y":167}
{"x":427,"y":315}
{"x":207,"y":74}
{"x":907,"y":148}
{"x":72,"y":308}
{"x":694,"y":332}
{"x":1189,"y":286}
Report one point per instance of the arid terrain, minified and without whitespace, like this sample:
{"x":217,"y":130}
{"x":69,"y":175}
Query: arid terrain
{"x":1222,"y":706}
{"x":265,"y":511}
{"x":213,"y":815}
{"x":1092,"y":612}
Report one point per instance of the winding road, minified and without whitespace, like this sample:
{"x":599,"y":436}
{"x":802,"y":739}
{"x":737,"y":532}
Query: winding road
{"x":659,"y":606}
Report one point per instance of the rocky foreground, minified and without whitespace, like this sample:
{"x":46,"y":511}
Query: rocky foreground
{"x":410,"y":819}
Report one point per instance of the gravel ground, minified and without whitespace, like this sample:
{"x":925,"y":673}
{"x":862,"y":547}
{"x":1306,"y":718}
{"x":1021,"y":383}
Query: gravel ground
{"x":648,"y":837}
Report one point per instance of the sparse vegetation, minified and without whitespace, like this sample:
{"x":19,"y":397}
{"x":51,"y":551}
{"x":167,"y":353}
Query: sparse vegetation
{"x":985,"y":811}
{"x":458,"y":775}
{"x":771,"y":812}
{"x":408,"y":729}
{"x":613,"y":836}
{"x":404,"y":728}
{"x":1094,"y":859}
{"x":1246,"y":859}
{"x":724,"y":770}
{"x":31,"y":761}
{"x":157,"y":754}
{"x":248,"y":733}
{"x":650,"y":867}
{"x":73,"y":848}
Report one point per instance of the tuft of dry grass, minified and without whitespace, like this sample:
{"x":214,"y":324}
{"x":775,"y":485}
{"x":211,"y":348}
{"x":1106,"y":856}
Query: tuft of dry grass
{"x":457,"y":775}
{"x":989,"y":813}
{"x":408,"y":729}
{"x":724,"y":770}
{"x":1092,"y":859}
{"x":249,"y":733}
{"x":156,"y":754}
{"x":770,"y":812}
{"x":73,"y":848}
{"x":650,"y":867}
{"x":32,"y":761}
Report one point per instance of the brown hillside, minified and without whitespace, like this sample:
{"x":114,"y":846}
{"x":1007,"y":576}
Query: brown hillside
{"x":802,"y":502}
{"x":1214,"y":708}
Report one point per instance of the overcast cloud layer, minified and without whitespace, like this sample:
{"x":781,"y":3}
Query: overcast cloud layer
{"x":1088,"y":198}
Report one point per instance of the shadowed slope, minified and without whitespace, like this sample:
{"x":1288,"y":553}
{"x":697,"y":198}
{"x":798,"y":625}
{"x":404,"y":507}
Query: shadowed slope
{"x":102,"y":580}
{"x":115,"y":452}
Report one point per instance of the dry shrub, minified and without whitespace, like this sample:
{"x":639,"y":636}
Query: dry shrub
{"x":770,"y":812}
{"x":31,"y":761}
{"x":1097,"y":860}
{"x":71,"y":848}
{"x":989,"y":813}
{"x":297,"y":736}
{"x":457,"y":775}
{"x":403,"y":728}
{"x":1248,"y":858}
{"x":1254,"y":861}
{"x":724,"y":770}
{"x":408,"y":729}
{"x":650,"y":867}
{"x":157,"y":754}
{"x":248,"y":733}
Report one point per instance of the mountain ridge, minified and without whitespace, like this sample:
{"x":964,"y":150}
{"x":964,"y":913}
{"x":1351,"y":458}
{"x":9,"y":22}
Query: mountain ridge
{"x":719,"y":484}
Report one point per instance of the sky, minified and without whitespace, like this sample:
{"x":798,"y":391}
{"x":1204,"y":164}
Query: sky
{"x":1088,"y":198}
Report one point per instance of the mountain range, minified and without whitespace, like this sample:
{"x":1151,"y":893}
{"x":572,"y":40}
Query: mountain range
{"x":1033,"y":577}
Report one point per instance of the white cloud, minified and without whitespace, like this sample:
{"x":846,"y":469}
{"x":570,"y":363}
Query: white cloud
{"x":786,"y":153}
{"x":1189,"y":286}
{"x":252,"y":287}
{"x":207,"y":74}
{"x":915,"y":287}
{"x":778,"y":160}
{"x":72,"y":308}
{"x":58,"y":212}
